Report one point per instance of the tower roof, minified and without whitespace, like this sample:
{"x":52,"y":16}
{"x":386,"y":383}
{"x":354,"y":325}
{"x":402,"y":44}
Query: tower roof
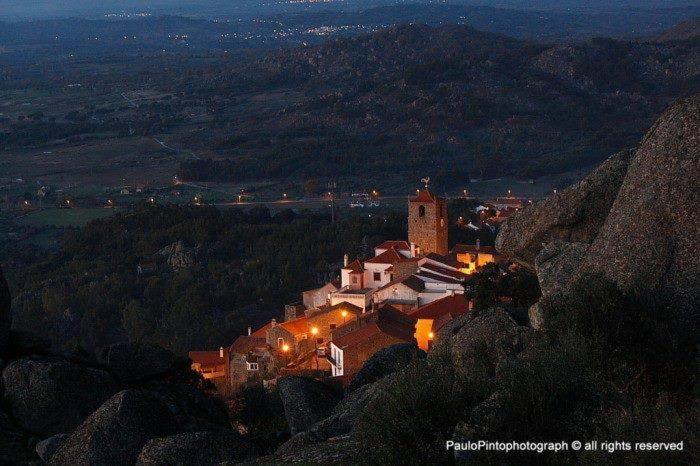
{"x":425,"y":195}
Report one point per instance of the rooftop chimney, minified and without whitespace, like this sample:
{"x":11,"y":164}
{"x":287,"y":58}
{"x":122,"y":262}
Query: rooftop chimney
{"x":273,"y":322}
{"x":413,"y":249}
{"x":478,"y":244}
{"x":346,"y":259}
{"x":221,"y":351}
{"x":249,"y":331}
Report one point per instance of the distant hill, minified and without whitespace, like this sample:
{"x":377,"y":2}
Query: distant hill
{"x":682,"y":31}
{"x":414,"y":99}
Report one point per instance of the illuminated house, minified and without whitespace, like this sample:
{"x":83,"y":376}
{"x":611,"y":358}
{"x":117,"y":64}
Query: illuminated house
{"x":352,"y":344}
{"x":324,"y":319}
{"x":471,"y":258}
{"x":211,"y":365}
{"x":289,"y":337}
{"x":431,"y":317}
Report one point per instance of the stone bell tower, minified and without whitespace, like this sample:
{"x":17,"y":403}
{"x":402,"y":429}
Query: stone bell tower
{"x":427,"y":222}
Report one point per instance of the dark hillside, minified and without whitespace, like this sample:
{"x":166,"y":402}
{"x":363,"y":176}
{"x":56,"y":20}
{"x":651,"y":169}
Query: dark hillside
{"x":415,"y":99}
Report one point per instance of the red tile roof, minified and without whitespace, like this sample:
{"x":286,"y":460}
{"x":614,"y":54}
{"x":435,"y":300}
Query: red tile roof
{"x":357,"y":336}
{"x":354,"y":266}
{"x":262,"y":331}
{"x":453,"y":305}
{"x":399,"y":245}
{"x":342,"y":305}
{"x":425,"y":195}
{"x":390,"y":256}
{"x":207,"y":358}
{"x":245,"y":344}
{"x":296,"y":326}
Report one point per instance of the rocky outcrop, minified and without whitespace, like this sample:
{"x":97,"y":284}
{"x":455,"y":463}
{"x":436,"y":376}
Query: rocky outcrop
{"x":130,"y":362}
{"x":576,"y":214}
{"x":195,"y":448}
{"x":47,"y":447}
{"x":340,"y":423}
{"x":337,"y":450}
{"x":48,"y":396}
{"x":648,"y":244}
{"x":177,"y":255}
{"x":478,"y":343}
{"x":556,"y":264}
{"x":634,"y":219}
{"x":116,"y":433}
{"x":306,"y":401}
{"x":5,"y":313}
{"x":193,"y":409}
{"x":384,"y":362}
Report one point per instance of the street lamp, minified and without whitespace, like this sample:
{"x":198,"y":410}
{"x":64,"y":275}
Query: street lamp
{"x":285,"y":348}
{"x":344,"y":313}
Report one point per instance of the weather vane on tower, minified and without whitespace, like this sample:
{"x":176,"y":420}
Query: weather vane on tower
{"x":425,"y":181}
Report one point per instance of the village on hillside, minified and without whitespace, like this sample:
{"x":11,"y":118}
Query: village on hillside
{"x":404,"y":294}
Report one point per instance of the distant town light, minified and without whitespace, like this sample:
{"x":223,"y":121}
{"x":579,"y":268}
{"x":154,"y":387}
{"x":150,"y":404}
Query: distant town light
{"x":314,"y":330}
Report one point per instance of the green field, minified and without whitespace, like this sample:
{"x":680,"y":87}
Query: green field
{"x":64,"y":217}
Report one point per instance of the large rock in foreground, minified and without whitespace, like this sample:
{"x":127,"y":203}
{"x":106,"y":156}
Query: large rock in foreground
{"x":130,"y":362}
{"x":196,"y":448}
{"x":384,"y":362}
{"x":306,"y":401}
{"x":574,"y":215}
{"x":557,"y":263}
{"x":48,"y":396}
{"x":480,"y":342}
{"x":649,"y":242}
{"x":340,"y":423}
{"x":116,"y":433}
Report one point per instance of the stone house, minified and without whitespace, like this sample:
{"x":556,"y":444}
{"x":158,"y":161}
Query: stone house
{"x":355,"y":342}
{"x":323,"y":320}
{"x":289,"y":337}
{"x":250,"y":360}
{"x":319,"y":296}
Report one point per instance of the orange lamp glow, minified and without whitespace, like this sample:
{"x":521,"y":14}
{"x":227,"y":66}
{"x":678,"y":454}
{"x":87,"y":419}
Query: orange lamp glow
{"x":285,"y":348}
{"x":314,"y":331}
{"x":344,"y":313}
{"x":431,"y":335}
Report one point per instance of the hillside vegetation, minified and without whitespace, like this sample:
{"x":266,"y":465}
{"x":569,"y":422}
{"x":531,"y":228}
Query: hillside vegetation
{"x":421,"y":99}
